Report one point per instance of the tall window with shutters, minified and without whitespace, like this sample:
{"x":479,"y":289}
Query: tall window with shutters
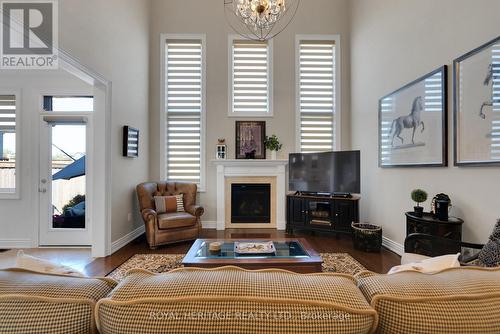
{"x":8,"y":145}
{"x":495,"y":101}
{"x":250,"y":82}
{"x":317,"y":91}
{"x":184,"y":110}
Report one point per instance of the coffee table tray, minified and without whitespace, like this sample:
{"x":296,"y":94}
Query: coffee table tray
{"x":250,"y":248}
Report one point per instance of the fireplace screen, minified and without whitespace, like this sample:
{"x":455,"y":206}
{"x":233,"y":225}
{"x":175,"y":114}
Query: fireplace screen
{"x":250,"y":203}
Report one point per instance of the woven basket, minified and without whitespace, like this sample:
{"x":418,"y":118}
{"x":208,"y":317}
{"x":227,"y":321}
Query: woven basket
{"x":367,"y":237}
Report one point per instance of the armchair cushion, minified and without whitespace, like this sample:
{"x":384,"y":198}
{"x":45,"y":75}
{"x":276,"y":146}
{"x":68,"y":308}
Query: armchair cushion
{"x":168,"y":204}
{"x":175,"y":220}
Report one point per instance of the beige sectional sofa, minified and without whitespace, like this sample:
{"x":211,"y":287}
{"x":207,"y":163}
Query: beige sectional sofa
{"x":233,"y":300}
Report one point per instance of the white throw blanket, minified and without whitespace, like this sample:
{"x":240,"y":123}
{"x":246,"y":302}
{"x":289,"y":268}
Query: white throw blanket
{"x":430,"y":265}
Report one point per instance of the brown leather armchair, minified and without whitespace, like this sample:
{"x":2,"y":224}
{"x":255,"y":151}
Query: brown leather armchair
{"x":168,"y":228}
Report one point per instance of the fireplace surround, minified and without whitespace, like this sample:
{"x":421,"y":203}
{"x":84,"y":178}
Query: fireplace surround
{"x":272,"y":172}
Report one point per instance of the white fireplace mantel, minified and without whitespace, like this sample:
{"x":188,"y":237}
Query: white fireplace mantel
{"x":240,"y":167}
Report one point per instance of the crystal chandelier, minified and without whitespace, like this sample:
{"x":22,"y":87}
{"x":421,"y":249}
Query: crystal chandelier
{"x":260,"y":19}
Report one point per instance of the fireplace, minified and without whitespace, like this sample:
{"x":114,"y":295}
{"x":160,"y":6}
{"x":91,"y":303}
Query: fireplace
{"x":251,"y":203}
{"x":271,"y":172}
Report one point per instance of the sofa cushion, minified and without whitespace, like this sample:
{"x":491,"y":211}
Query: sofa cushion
{"x":234,"y":300}
{"x":32,"y":302}
{"x":175,"y":220}
{"x":457,"y":300}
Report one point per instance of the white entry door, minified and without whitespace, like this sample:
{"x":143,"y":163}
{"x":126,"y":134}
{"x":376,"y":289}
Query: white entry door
{"x":64,"y":179}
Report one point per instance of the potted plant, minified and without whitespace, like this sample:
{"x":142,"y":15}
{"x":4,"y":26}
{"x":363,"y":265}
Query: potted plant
{"x":419,"y":196}
{"x":273,"y":144}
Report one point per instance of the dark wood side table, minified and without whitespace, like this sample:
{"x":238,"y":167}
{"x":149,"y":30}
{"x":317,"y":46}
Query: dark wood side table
{"x":428,"y":224}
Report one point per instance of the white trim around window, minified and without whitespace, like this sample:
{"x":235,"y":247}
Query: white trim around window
{"x":337,"y":121}
{"x":163,"y":111}
{"x":252,"y":93}
{"x":14,"y":193}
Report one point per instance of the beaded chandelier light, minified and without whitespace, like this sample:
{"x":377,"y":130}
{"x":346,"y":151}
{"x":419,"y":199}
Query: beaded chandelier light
{"x":260,"y":20}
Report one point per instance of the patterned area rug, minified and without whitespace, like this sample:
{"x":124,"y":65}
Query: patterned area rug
{"x":160,"y":263}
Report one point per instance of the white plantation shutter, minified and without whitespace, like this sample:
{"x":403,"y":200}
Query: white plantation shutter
{"x":317,"y":100}
{"x":7,"y":113}
{"x":184,"y":108}
{"x":250,"y":78}
{"x":495,"y":122}
{"x":387,"y":114}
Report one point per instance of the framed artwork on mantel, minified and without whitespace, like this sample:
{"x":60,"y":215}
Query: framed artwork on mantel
{"x":476,"y":112}
{"x":250,"y":136}
{"x":413,"y":123}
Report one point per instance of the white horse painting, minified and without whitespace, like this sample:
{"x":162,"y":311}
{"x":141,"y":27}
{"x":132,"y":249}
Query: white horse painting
{"x":413,"y":120}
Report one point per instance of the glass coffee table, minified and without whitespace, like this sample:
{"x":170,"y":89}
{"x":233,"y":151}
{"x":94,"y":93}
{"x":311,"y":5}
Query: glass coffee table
{"x":290,"y":254}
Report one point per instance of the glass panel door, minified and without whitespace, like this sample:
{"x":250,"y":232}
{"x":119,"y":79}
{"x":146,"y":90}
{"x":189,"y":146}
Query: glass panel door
{"x":63,"y":185}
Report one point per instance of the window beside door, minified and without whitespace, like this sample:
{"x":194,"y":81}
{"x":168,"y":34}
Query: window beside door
{"x":9,"y":176}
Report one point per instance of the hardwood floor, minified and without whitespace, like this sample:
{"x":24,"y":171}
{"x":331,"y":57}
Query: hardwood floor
{"x":322,"y":243}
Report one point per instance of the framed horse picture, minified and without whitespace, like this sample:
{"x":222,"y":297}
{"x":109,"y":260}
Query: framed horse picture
{"x":413,"y":123}
{"x":476,"y":112}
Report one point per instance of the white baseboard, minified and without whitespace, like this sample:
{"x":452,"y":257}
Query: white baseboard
{"x":209,"y":224}
{"x":126,"y":239}
{"x":15,"y":243}
{"x":393,"y":246}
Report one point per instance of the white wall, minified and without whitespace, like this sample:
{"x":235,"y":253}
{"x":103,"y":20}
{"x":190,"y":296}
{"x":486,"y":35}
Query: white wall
{"x":207,"y":16}
{"x":393,"y":43}
{"x":112,"y":38}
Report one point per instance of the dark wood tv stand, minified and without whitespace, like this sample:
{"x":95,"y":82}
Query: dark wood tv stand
{"x":321,"y":213}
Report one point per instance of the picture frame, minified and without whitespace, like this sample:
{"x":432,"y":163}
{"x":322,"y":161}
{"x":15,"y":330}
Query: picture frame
{"x":250,"y":136}
{"x":476,"y":108}
{"x":413,"y":123}
{"x":130,"y":142}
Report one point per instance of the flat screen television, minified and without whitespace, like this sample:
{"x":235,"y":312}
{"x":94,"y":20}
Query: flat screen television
{"x":326,"y":172}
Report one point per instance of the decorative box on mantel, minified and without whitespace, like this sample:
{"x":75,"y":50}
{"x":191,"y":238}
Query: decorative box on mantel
{"x":240,"y":171}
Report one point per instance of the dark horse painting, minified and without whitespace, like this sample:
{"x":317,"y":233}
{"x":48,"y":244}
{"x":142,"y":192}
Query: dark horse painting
{"x":413,"y":120}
